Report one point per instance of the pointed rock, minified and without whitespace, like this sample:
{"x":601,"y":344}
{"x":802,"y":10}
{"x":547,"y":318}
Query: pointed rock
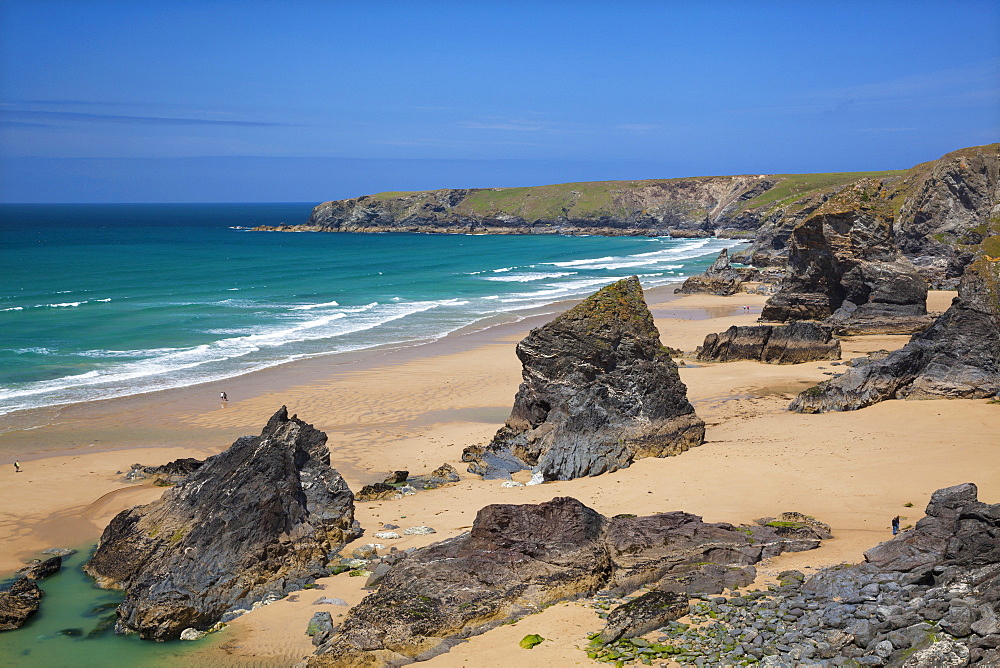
{"x":599,"y":392}
{"x":257,"y":520}
{"x":719,"y":279}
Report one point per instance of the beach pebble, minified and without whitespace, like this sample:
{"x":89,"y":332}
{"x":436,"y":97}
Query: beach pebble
{"x":192,"y":634}
{"x":330,"y":601}
{"x":511,"y":483}
{"x":367,"y":551}
{"x":386,"y":535}
{"x":537,"y":478}
{"x":390,"y":527}
{"x":418,"y":531}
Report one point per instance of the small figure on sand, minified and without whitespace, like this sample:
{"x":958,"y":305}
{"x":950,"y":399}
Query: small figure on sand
{"x":895,"y":525}
{"x":17,"y":467}
{"x":222,"y":395}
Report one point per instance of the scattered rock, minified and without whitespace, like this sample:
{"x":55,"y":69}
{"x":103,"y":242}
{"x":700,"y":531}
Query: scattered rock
{"x":253,"y":523}
{"x":192,"y":634}
{"x":19,"y":603}
{"x":790,"y":344}
{"x":418,"y":531}
{"x":331,"y":601}
{"x":599,"y":392}
{"x":386,"y":535}
{"x":59,"y":551}
{"x":396,"y":477}
{"x":377,"y":492}
{"x":531,"y":640}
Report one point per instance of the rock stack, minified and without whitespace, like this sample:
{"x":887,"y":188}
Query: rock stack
{"x":262,"y":518}
{"x":719,"y":279}
{"x":599,"y":392}
{"x":771,"y":344}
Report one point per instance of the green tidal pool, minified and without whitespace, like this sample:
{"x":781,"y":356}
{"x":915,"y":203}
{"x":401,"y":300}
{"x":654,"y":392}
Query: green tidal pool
{"x":74,"y":627}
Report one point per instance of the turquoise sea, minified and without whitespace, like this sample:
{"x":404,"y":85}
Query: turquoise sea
{"x":100,"y":301}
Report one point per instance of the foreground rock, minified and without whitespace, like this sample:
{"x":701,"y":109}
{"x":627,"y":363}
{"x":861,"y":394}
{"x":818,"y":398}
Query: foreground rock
{"x":401,"y":483}
{"x":958,"y":357}
{"x":843,"y":264}
{"x":43,"y":569}
{"x":256,"y":521}
{"x":772,"y":344}
{"x":719,"y":279}
{"x":518,"y":559}
{"x":18,"y":604}
{"x":926,"y":599}
{"x":599,"y":392}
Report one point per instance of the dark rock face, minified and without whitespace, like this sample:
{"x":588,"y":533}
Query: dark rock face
{"x":843,"y":264}
{"x":43,"y":569}
{"x":650,"y":611}
{"x":261,"y":518}
{"x":599,"y":392}
{"x":947,"y":211}
{"x":18,"y":604}
{"x":377,"y":492}
{"x":518,"y":559}
{"x":719,"y":279}
{"x":789,"y":344}
{"x":957,"y":357}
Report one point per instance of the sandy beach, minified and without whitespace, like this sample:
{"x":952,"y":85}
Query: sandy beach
{"x":417,"y":408}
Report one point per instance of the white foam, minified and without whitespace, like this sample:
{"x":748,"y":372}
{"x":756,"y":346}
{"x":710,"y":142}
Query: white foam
{"x":309,"y":307}
{"x":12,"y":308}
{"x":62,"y":305}
{"x":530,"y":276}
{"x":103,"y":300}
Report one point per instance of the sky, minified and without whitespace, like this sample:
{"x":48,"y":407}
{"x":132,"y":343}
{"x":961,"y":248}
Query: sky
{"x":305,"y":101}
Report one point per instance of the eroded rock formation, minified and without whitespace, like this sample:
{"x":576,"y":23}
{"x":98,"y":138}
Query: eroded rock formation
{"x":518,"y":559}
{"x":772,"y":344}
{"x":599,"y":392}
{"x":957,"y":357}
{"x":843,"y":265}
{"x":719,"y":279}
{"x":259,"y":519}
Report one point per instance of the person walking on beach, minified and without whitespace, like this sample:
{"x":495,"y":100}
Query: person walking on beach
{"x":17,"y":466}
{"x":222,"y":395}
{"x":895,"y":525}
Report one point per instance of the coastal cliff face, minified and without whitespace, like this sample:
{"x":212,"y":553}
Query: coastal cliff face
{"x":843,"y":264}
{"x":255,"y":521}
{"x":599,"y":392}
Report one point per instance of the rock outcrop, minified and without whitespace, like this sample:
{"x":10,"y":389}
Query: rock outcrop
{"x":257,"y":520}
{"x":599,"y":392}
{"x":18,"y":604}
{"x":957,"y":357}
{"x":518,"y":559}
{"x":926,"y":599}
{"x":43,"y":569}
{"x":772,"y":344}
{"x":843,"y":265}
{"x":719,"y":279}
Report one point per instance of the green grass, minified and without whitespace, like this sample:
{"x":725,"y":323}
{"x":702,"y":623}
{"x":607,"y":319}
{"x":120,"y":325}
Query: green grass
{"x":795,"y":186}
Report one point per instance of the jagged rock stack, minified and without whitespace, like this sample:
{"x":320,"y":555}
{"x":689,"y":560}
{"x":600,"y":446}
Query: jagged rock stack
{"x":957,"y":357}
{"x":517,"y":559}
{"x":843,"y":265}
{"x":255,"y":521}
{"x":772,"y":344}
{"x":719,"y":279}
{"x":599,"y":392}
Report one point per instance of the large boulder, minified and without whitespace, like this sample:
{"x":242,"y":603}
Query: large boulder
{"x":262,"y":518}
{"x":843,"y":264}
{"x":719,"y":279}
{"x":518,"y":559}
{"x":18,"y":604}
{"x":957,"y":357}
{"x":599,"y":392}
{"x":772,"y":344}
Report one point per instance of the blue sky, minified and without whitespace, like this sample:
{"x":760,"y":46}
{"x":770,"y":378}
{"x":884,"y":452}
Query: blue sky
{"x":174,"y":101}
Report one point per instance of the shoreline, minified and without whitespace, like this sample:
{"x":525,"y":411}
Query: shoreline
{"x":418,"y":407}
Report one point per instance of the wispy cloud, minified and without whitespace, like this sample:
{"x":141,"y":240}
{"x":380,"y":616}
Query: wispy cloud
{"x":637,"y":127}
{"x":514,"y":124}
{"x":32,"y":115}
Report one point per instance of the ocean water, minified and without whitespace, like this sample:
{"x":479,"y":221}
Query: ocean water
{"x":66,"y":631}
{"x":101,"y":301}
